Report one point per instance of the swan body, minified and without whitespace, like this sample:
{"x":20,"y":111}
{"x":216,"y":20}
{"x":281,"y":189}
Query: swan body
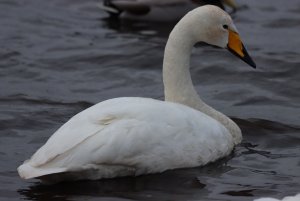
{"x":134,"y":136}
{"x":157,"y":10}
{"x":288,"y":198}
{"x":151,"y":136}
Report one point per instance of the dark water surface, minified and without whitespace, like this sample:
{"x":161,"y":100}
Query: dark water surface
{"x":58,"y":57}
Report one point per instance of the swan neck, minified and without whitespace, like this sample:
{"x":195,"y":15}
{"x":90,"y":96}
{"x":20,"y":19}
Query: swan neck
{"x":178,"y":85}
{"x":176,"y":74}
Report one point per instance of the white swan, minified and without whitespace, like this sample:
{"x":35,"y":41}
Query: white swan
{"x":288,"y":198}
{"x":157,"y":10}
{"x":134,"y":136}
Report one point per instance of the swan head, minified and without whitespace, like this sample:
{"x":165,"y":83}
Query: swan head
{"x":212,"y":25}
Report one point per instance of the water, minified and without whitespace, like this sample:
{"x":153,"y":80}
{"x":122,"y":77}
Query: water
{"x":59,"y":57}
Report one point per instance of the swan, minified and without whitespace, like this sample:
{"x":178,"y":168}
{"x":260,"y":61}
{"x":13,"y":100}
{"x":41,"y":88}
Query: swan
{"x":131,"y":136}
{"x":288,"y":198}
{"x":157,"y":10}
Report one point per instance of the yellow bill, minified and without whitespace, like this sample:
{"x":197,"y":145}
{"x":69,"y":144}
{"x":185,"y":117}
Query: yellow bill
{"x":236,"y":47}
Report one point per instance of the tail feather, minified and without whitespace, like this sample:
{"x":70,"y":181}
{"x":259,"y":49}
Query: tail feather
{"x":26,"y":171}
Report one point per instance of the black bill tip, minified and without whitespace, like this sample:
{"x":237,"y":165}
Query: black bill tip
{"x":245,"y":57}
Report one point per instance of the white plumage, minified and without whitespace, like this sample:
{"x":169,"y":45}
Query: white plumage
{"x":134,"y":136}
{"x":288,"y":198}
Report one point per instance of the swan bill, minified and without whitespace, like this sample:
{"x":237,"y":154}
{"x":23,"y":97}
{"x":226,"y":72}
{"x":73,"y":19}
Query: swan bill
{"x":236,"y":47}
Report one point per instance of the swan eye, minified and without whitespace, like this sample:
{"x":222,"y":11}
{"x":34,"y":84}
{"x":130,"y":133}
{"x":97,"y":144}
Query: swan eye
{"x":225,"y":26}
